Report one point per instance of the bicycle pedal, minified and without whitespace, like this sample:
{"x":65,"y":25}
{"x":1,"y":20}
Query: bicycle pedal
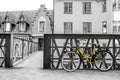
{"x":84,"y":66}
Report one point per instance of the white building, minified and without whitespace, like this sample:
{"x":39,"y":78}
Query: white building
{"x":83,"y":17}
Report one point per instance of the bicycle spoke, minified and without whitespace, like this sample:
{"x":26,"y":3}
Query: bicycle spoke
{"x":74,"y":64}
{"x":105,"y":64}
{"x":70,"y":55}
{"x":105,"y":61}
{"x":68,"y":65}
{"x":101,"y":65}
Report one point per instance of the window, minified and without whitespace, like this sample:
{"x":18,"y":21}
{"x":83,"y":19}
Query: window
{"x":41,"y":26}
{"x":22,"y":27}
{"x":116,"y":26}
{"x":114,"y":4}
{"x":118,"y":4}
{"x":87,"y":27}
{"x":119,"y":28}
{"x":104,"y":6}
{"x":68,"y":27}
{"x":104,"y":27}
{"x":7,"y":27}
{"x":68,"y":8}
{"x":104,"y":45}
{"x":86,"y":7}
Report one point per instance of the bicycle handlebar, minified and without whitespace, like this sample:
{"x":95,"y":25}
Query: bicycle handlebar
{"x":96,"y":44}
{"x":78,"y":41}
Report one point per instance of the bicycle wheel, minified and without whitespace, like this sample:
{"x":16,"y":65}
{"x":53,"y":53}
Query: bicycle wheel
{"x":103,"y":61}
{"x":70,"y":64}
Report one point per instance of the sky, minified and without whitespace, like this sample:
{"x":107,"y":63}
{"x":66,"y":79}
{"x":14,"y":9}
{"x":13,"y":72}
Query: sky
{"x":15,"y":5}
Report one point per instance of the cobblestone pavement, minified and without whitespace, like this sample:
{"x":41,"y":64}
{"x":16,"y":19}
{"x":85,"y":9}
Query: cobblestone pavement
{"x":31,"y":69}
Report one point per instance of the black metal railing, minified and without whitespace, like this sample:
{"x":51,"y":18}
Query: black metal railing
{"x":14,"y":47}
{"x":23,"y":47}
{"x":5,"y":50}
{"x":55,"y":45}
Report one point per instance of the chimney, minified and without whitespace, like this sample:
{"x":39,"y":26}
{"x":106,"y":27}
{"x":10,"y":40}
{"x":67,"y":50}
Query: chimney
{"x":42,"y":6}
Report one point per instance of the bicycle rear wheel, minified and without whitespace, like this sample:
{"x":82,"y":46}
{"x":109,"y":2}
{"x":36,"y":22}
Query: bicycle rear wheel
{"x":70,"y":64}
{"x":103,"y":61}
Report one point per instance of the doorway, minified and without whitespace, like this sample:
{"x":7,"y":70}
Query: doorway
{"x":41,"y":44}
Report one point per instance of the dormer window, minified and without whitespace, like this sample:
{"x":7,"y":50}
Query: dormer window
{"x":7,"y":27}
{"x":22,"y":26}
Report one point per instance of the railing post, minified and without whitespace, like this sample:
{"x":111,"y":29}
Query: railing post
{"x":114,"y":53}
{"x":28,"y":48}
{"x":47,"y":51}
{"x":22,"y":49}
{"x":71,"y":44}
{"x":8,"y":51}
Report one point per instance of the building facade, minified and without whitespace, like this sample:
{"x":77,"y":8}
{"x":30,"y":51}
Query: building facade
{"x":116,"y":21}
{"x":83,"y":17}
{"x":34,"y":23}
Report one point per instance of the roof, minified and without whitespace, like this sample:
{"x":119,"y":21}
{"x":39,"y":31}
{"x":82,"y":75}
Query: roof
{"x":29,"y":16}
{"x":15,"y":15}
{"x":87,"y":0}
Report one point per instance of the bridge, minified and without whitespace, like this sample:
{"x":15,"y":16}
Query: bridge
{"x":14,"y":48}
{"x":21,"y":60}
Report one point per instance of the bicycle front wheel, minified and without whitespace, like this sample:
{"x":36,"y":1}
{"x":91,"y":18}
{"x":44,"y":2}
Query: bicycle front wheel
{"x":68,"y":63}
{"x":103,"y":61}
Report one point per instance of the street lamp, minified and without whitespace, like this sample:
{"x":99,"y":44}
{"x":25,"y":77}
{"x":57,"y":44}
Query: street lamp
{"x":52,"y":27}
{"x":51,"y":22}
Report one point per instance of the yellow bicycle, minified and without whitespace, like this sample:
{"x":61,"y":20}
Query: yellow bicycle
{"x":102,"y":59}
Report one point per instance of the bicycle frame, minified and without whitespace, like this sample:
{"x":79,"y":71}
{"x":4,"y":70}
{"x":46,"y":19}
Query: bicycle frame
{"x":79,"y":51}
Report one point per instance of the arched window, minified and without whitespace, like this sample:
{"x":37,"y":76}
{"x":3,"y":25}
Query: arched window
{"x":41,"y":24}
{"x":104,"y":27}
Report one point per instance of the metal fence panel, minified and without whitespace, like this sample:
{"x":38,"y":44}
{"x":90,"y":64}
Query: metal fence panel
{"x":55,"y":45}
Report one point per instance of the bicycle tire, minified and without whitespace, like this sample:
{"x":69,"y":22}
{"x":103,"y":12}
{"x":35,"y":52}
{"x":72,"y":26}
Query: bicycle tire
{"x":103,"y":56}
{"x":68,"y":64}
